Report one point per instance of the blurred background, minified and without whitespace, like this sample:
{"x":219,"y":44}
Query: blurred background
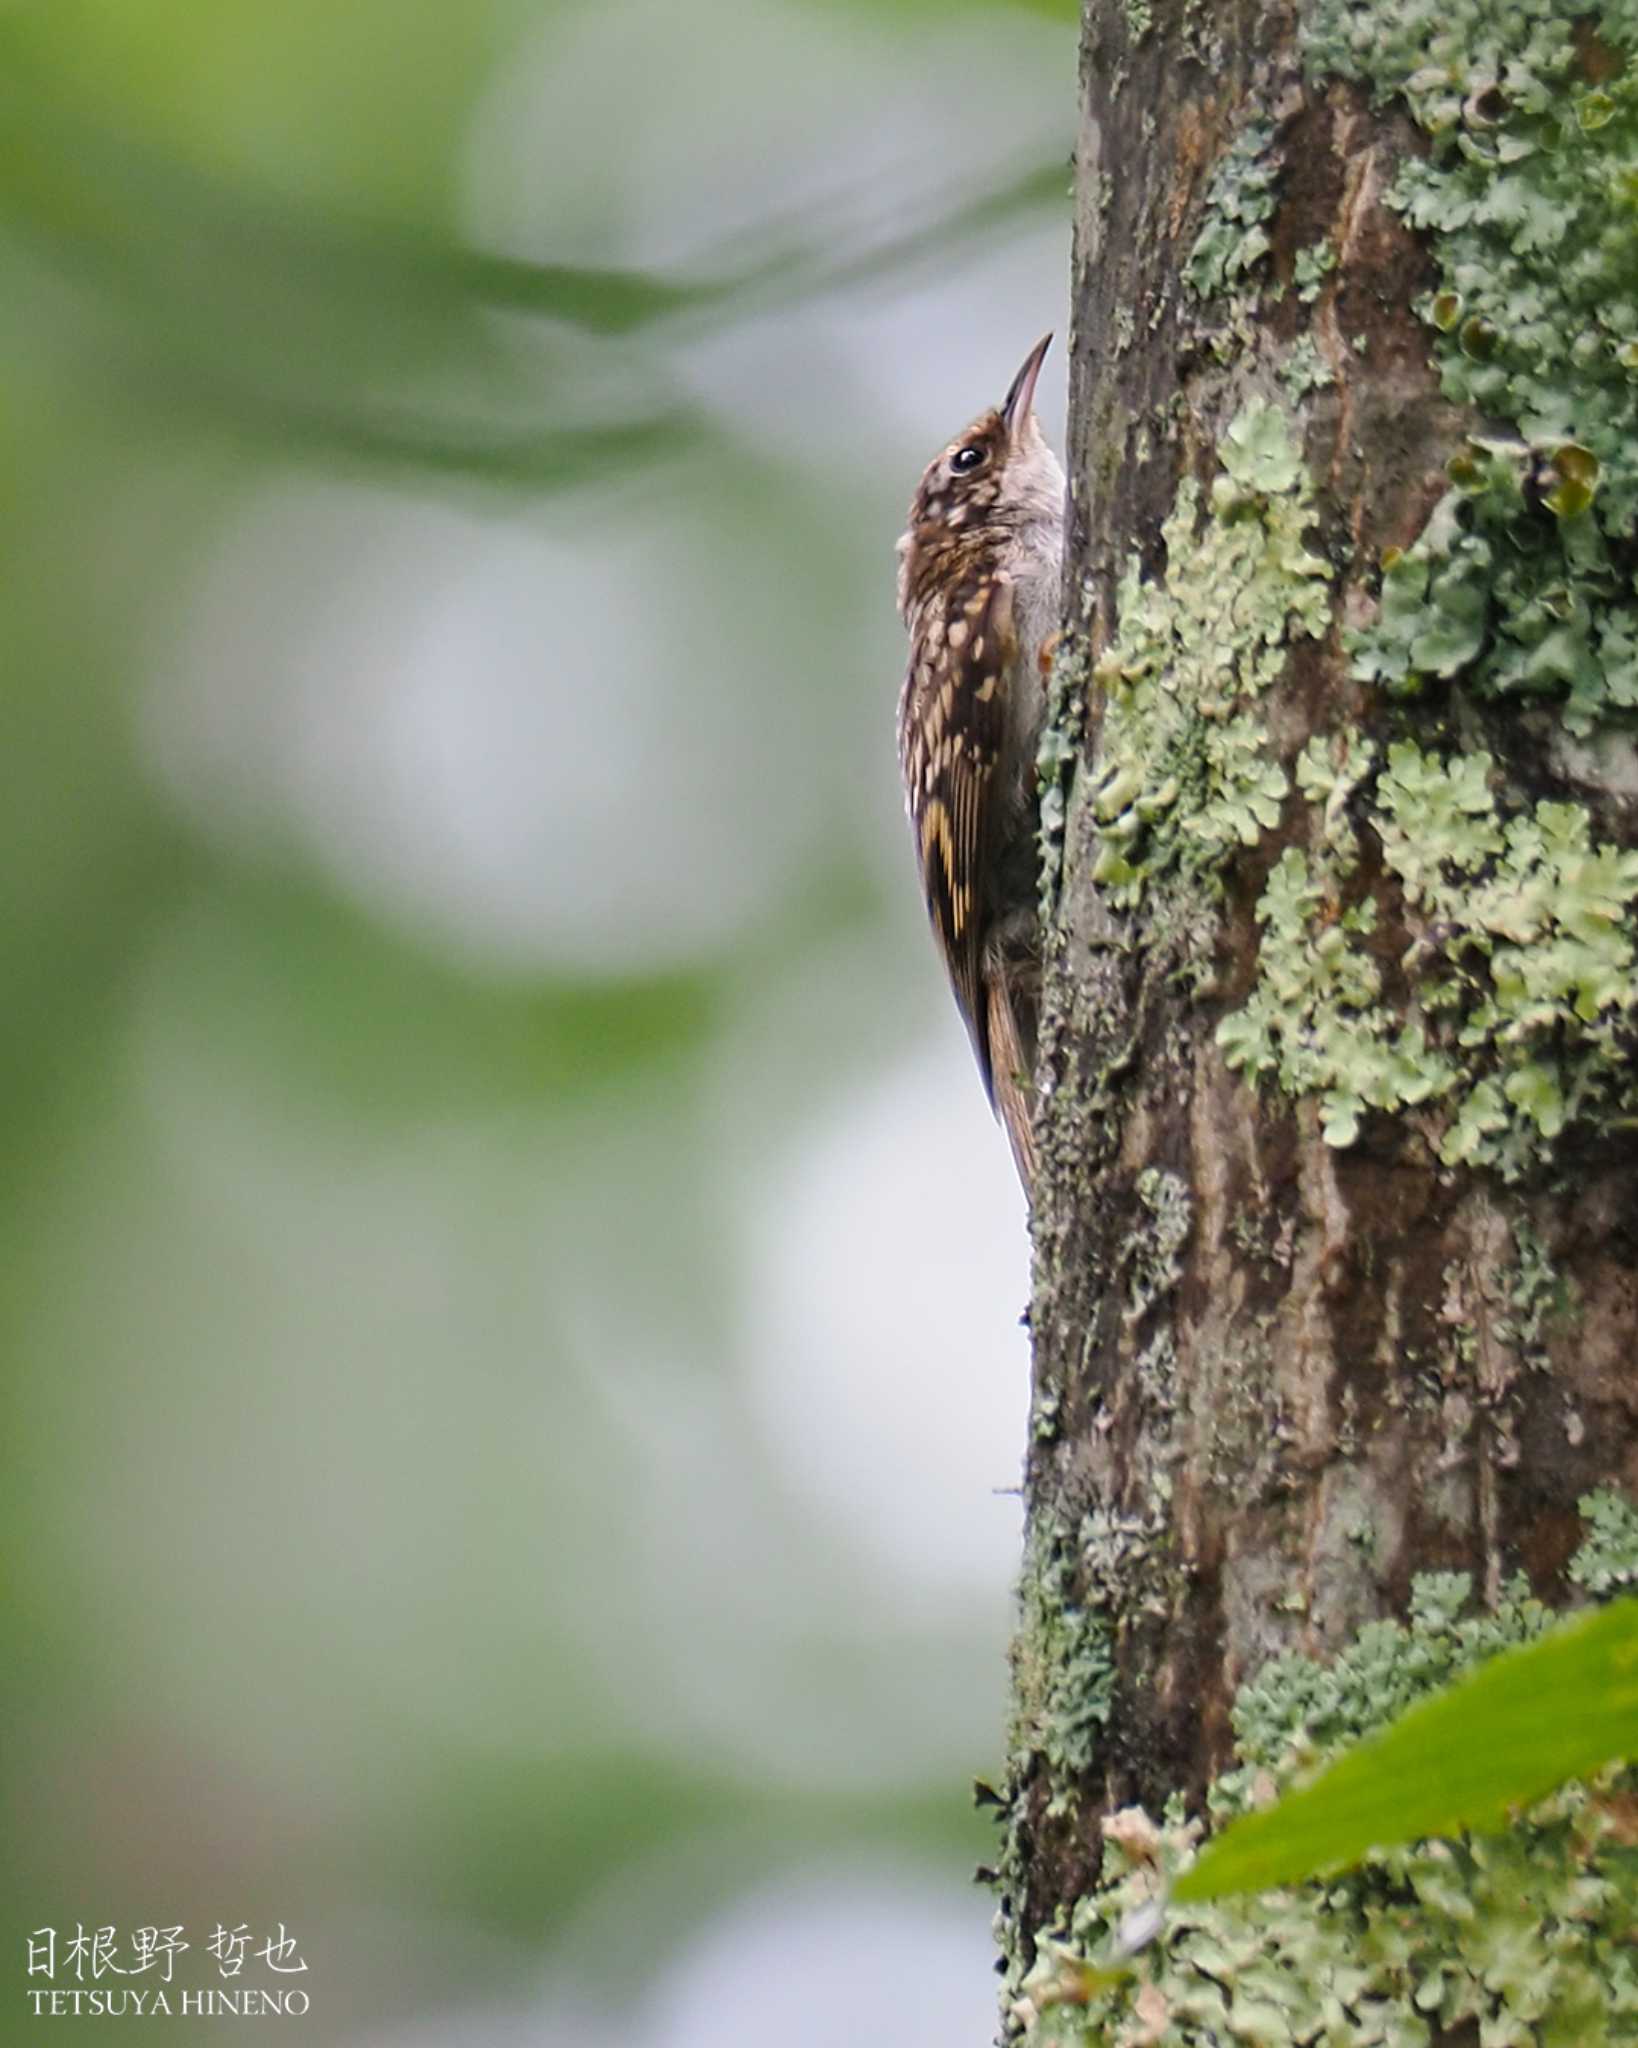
{"x":510,"y":1286}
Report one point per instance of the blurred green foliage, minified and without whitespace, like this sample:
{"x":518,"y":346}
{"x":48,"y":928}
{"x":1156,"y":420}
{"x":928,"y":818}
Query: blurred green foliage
{"x":370,"y":1304}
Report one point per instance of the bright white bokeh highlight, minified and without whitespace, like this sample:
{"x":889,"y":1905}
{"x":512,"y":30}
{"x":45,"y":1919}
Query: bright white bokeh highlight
{"x":888,"y":1266}
{"x":844,"y":1955}
{"x":478,"y":726}
{"x":840,"y":1952}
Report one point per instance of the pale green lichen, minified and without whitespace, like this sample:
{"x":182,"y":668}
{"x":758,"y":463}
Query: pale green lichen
{"x":1523,"y":1938}
{"x":1305,"y":369}
{"x":1154,"y":1373}
{"x":1233,"y":237}
{"x":1079,"y":1571}
{"x":1057,"y":757}
{"x":1524,"y":966}
{"x":1511,"y":1014}
{"x":1184,"y":772}
{"x":1315,"y":1021}
{"x":1519,"y":1297}
{"x":1516,"y":1941}
{"x":1296,"y":1707}
{"x":1330,"y":768}
{"x":1311,"y":268}
{"x":1533,"y":942}
{"x":1075,"y":1571}
{"x":1045,"y":1415}
{"x":1156,"y":1267}
{"x":1528,"y":192}
{"x":1535,"y":1294}
{"x":1607,"y":1563}
{"x":1063,"y":1657}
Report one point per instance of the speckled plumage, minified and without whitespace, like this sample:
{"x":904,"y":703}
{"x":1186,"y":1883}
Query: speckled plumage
{"x":979,"y":569}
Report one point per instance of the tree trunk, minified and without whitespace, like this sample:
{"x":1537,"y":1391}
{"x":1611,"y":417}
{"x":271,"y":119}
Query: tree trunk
{"x":1337,"y":1212}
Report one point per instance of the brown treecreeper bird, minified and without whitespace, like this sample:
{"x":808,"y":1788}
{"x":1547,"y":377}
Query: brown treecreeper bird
{"x":979,"y":572}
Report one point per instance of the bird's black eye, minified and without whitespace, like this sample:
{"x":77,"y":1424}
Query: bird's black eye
{"x":965,"y":460}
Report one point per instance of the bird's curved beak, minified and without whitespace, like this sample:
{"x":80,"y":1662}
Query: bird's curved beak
{"x":1020,"y":400}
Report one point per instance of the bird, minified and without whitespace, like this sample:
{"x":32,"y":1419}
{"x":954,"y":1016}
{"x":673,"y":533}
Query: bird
{"x":979,"y":573}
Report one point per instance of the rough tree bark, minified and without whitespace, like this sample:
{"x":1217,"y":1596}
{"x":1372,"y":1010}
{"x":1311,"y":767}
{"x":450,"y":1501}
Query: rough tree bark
{"x":1337,"y":1214}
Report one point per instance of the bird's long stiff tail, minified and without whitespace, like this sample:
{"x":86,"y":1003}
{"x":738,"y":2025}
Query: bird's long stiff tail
{"x":1012,"y":1060}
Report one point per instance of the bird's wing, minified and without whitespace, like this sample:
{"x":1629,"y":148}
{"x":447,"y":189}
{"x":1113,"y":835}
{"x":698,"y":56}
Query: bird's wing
{"x":952,"y":722}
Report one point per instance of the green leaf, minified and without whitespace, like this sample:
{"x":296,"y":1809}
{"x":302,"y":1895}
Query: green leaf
{"x":1525,"y":1722}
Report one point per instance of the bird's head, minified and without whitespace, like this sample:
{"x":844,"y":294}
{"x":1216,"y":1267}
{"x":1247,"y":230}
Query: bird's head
{"x":994,"y":480}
